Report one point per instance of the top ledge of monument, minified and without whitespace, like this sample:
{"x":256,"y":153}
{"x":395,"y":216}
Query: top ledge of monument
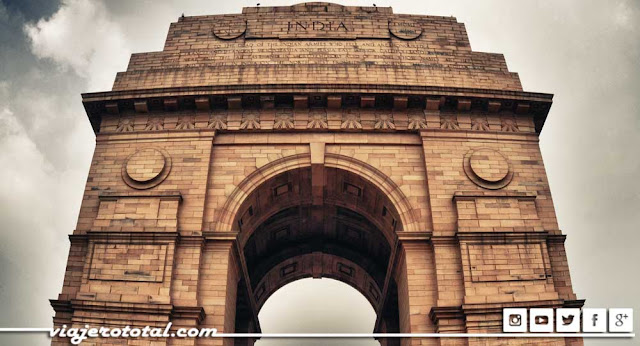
{"x":317,"y":43}
{"x":316,"y":7}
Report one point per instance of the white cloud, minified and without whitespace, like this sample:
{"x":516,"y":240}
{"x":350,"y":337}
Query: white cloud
{"x":18,"y":149}
{"x":39,"y":203}
{"x":82,"y":36}
{"x":4,"y":89}
{"x":27,"y":174}
{"x":623,"y":15}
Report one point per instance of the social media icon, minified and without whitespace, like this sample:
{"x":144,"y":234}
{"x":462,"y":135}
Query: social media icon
{"x":514,"y":320}
{"x":620,"y":320}
{"x":541,"y":320}
{"x":594,"y":320}
{"x":567,"y":320}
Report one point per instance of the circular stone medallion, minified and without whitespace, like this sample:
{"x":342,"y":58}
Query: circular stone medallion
{"x":230,"y":29}
{"x":146,"y":168}
{"x":488,"y":168}
{"x":489,"y":165}
{"x":405,"y":29}
{"x":145,"y":165}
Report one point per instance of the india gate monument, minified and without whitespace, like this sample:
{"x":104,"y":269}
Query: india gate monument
{"x":315,"y":141}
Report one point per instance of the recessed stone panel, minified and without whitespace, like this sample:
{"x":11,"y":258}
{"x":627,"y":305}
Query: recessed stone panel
{"x":137,"y":212}
{"x":128,"y":262}
{"x":494,"y":211}
{"x":506,"y":262}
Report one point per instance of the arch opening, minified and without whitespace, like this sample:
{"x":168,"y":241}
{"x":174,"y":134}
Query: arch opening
{"x":317,"y":306}
{"x":291,"y":228}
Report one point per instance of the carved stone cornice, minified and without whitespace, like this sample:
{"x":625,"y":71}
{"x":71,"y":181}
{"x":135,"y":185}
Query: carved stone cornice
{"x":556,"y":238}
{"x":194,"y":313}
{"x":220,"y":235}
{"x":445,"y":312}
{"x":448,"y":319}
{"x":118,"y":307}
{"x":472,"y":195}
{"x":131,"y":236}
{"x":191,"y":240}
{"x":444,"y":240}
{"x":78,"y":238}
{"x":502,"y":237}
{"x":165,"y":195}
{"x":404,"y":237}
{"x":577,"y":303}
{"x":433,"y":92}
{"x":256,"y":97}
{"x":61,"y":305}
{"x":497,"y":307}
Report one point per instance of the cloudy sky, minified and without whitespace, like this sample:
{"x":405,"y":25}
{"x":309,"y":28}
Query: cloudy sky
{"x":587,"y":53}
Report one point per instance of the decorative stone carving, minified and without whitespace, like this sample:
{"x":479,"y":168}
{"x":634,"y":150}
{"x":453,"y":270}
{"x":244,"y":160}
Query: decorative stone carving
{"x":384,"y":121}
{"x":145,"y":165}
{"x":417,"y":120}
{"x":186,"y":123}
{"x":488,"y":168}
{"x":218,"y":121}
{"x":479,"y":123}
{"x":381,"y":118}
{"x":250,"y":120}
{"x":125,"y":125}
{"x":230,"y":29}
{"x":405,"y":29}
{"x":317,"y":118}
{"x":155,"y":124}
{"x":449,"y":122}
{"x":509,"y":124}
{"x":284,"y":119}
{"x":351,"y":119}
{"x":146,"y":168}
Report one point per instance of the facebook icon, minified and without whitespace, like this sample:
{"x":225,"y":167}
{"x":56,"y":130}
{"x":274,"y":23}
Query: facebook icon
{"x":594,"y":320}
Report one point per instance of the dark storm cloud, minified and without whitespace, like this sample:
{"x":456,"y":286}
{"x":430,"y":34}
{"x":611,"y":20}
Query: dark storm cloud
{"x":31,"y":9}
{"x":13,"y":43}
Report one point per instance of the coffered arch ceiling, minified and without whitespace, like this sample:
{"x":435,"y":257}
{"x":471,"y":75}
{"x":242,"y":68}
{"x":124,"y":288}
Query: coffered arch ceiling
{"x":341,"y":189}
{"x":287,"y":234}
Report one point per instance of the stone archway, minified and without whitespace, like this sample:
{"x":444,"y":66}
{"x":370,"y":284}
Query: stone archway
{"x":318,"y":159}
{"x":345,"y":228}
